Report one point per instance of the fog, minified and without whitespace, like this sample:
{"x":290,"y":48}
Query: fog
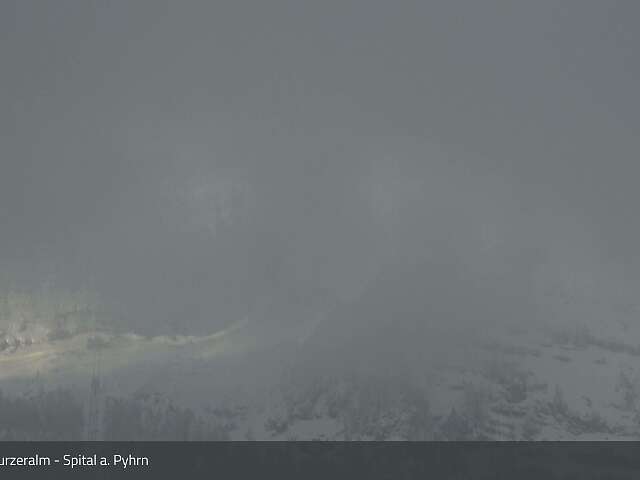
{"x":421,"y":163}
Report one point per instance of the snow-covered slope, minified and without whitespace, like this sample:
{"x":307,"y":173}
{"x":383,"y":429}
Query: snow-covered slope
{"x":572,"y":382}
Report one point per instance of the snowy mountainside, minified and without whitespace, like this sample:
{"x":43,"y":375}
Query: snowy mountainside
{"x":565,"y":383}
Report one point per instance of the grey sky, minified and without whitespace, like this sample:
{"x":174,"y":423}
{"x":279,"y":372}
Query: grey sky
{"x":207,"y":160}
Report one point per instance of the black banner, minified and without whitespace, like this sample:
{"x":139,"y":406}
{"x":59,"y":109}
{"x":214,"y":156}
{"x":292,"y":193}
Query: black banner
{"x":321,"y":460}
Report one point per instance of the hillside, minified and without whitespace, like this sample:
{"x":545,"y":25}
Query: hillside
{"x":541,"y":384}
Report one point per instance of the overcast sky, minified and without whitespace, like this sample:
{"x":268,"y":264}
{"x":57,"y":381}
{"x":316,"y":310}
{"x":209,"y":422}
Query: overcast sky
{"x":204,"y":161}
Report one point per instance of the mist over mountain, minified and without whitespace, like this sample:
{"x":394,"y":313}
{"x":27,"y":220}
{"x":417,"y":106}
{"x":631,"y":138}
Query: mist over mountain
{"x":278,"y":185}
